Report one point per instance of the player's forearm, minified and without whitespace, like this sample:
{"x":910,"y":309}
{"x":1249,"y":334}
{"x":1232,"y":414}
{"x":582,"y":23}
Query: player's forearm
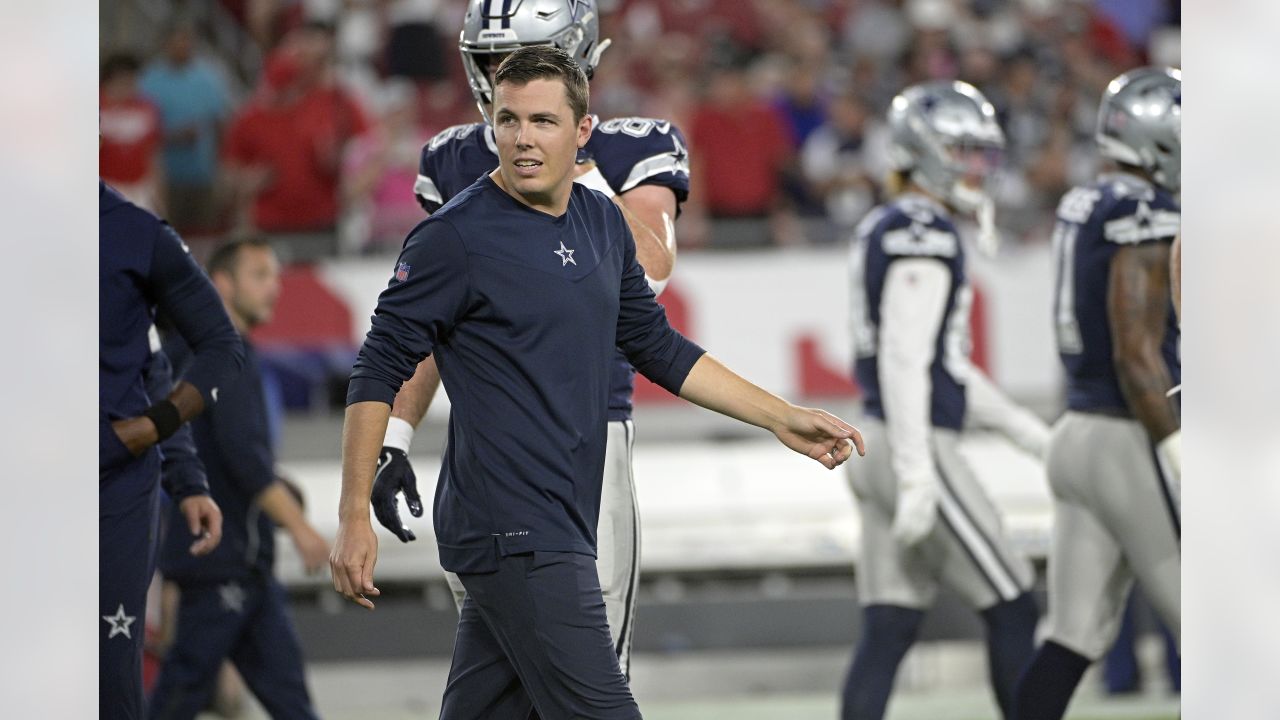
{"x":362,"y":433}
{"x":654,"y":233}
{"x":990,"y":407}
{"x":187,"y":399}
{"x":904,"y":397}
{"x":1145,"y":382}
{"x":279,"y":505}
{"x":715,"y":387}
{"x":416,"y":394}
{"x":1137,"y":302}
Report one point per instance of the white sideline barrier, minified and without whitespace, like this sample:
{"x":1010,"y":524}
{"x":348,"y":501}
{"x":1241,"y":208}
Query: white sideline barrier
{"x":746,"y":505}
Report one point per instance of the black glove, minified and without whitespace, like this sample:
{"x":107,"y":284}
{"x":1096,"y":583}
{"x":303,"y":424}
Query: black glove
{"x":394,"y":475}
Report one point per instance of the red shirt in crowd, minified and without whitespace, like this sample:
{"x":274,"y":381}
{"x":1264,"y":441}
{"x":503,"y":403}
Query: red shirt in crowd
{"x":131,"y":136}
{"x":742,"y":150}
{"x":301,"y":143}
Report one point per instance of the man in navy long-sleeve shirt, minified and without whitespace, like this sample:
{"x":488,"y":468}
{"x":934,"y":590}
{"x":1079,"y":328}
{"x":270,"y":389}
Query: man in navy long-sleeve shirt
{"x":521,"y":286}
{"x":143,"y":267}
{"x":232,"y":606}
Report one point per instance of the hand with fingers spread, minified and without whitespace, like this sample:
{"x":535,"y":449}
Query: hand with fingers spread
{"x":394,"y":476}
{"x":820,"y":435}
{"x":204,"y":520}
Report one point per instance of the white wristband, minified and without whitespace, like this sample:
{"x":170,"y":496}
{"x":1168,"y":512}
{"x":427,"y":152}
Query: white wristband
{"x":595,"y":180}
{"x":399,"y":434}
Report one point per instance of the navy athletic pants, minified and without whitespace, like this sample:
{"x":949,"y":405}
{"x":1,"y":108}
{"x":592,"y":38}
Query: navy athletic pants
{"x":244,"y":621}
{"x":127,"y":535}
{"x":534,"y":636}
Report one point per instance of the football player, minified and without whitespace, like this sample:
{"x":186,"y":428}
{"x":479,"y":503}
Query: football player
{"x":926,"y":519}
{"x":1114,"y":459}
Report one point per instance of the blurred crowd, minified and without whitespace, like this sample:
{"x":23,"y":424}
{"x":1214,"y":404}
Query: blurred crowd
{"x":781,"y":101}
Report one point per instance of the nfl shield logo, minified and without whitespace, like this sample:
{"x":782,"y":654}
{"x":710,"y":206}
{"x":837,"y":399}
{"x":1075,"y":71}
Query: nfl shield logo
{"x":402,"y":272}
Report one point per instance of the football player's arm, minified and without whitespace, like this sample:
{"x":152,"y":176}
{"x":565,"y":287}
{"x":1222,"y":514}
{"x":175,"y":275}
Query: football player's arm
{"x":184,"y":294}
{"x":989,"y":407}
{"x":182,"y":474}
{"x":394,"y":474}
{"x":1137,"y":307}
{"x":912,"y":307}
{"x":650,"y":211}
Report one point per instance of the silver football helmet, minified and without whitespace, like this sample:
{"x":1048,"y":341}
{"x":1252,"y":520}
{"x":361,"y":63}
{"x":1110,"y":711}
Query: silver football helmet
{"x":1140,"y":123}
{"x":943,"y":133}
{"x":493,"y":28}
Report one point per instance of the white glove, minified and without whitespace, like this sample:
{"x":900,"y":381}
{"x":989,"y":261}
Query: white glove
{"x":595,"y":180}
{"x":1169,"y":453}
{"x":916,"y":513}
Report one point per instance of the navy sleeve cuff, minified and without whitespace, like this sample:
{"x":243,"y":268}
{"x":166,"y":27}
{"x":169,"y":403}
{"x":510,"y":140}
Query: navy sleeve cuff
{"x":362,"y":389}
{"x":183,"y":482}
{"x":671,"y":376}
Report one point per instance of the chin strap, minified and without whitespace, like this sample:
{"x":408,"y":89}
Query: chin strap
{"x":988,"y":235}
{"x":596,"y":52}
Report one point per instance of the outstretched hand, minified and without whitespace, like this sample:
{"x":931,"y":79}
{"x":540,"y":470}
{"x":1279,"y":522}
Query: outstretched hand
{"x":395,"y":475}
{"x":820,"y":435}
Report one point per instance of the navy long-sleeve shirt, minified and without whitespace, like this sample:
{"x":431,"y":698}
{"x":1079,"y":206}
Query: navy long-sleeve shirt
{"x":143,"y":266}
{"x":522,"y":311}
{"x":235,"y":444}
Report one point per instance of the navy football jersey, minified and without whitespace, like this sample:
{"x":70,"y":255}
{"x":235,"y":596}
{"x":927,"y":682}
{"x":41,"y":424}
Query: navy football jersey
{"x":1094,"y":221}
{"x":629,"y":152}
{"x":911,"y":226}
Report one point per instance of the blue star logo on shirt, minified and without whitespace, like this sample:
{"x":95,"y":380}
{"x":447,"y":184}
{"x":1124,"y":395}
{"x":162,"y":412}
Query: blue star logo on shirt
{"x":566,"y":255}
{"x":120,"y":623}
